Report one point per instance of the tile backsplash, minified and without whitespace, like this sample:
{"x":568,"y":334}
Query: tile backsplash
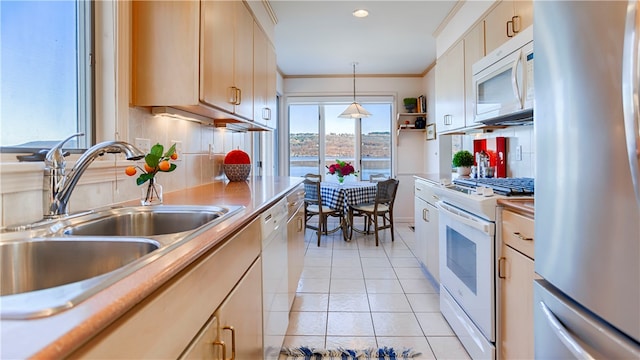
{"x":522,"y":136}
{"x":105,"y":183}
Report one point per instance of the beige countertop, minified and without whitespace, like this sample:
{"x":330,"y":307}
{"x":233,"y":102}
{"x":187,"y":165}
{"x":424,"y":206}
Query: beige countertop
{"x":59,"y":335}
{"x":431,"y":177}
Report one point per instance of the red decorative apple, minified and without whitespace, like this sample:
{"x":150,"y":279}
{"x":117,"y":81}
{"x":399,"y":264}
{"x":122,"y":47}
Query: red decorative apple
{"x":237,"y":165}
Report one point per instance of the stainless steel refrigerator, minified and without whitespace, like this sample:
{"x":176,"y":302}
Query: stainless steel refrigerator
{"x":587,"y":199}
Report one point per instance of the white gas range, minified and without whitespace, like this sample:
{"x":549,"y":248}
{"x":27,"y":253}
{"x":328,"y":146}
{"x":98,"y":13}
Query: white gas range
{"x":467,"y":229}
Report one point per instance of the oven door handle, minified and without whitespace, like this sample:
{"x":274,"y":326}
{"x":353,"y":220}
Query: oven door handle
{"x":465,"y":218}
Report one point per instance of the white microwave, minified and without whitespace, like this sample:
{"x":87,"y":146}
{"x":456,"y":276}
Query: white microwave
{"x":503,"y":83}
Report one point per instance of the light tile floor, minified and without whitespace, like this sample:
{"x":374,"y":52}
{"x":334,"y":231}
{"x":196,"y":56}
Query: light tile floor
{"x":356,"y":295}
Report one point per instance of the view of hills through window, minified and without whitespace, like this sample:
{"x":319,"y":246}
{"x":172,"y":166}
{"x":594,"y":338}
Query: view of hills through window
{"x":340,"y":140}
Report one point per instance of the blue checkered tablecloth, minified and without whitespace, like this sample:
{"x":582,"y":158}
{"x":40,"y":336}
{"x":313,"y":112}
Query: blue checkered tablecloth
{"x":335,"y":195}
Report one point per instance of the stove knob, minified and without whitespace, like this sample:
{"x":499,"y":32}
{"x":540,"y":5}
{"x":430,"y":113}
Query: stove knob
{"x":487,"y":192}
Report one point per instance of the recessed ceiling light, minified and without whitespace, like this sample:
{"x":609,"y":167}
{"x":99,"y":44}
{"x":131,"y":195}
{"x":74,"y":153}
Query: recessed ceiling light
{"x":360,"y":13}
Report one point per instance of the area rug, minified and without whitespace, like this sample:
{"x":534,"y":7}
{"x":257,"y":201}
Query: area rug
{"x":383,"y":353}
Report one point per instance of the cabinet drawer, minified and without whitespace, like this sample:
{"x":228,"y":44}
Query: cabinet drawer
{"x":424,"y":191}
{"x":517,"y":232}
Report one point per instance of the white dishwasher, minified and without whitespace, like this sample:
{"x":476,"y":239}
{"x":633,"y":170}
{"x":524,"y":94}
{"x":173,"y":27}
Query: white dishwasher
{"x":275,"y":277}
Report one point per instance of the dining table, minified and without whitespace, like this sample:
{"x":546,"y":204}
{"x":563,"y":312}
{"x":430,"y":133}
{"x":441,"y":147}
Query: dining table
{"x":342,"y":195}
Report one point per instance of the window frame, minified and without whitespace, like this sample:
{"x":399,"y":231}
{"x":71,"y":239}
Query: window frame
{"x":86,"y":87}
{"x":320,"y":101}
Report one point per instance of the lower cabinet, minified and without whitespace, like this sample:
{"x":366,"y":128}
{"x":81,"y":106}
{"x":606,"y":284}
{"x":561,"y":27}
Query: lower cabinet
{"x":516,"y":274}
{"x":426,"y":228}
{"x":235,"y":329}
{"x":164,"y":324}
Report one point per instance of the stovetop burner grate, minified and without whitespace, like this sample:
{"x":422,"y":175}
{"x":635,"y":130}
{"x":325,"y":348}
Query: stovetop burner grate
{"x":502,"y":186}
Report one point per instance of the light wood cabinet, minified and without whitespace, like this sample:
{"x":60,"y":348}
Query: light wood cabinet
{"x":198,"y":56}
{"x":264,"y":75}
{"x":227,"y":57}
{"x":505,"y":20}
{"x":516,"y":275}
{"x":473,"y":51}
{"x":166,"y":322}
{"x":450,"y":79}
{"x":165,"y":46}
{"x":235,"y":329}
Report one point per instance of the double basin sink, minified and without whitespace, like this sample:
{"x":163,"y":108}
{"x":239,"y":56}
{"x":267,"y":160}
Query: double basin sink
{"x":53,"y":265}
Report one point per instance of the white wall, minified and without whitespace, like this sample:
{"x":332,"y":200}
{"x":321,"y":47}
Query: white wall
{"x":409,"y":154}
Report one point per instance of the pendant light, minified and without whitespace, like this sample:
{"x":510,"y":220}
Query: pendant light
{"x":355,"y":110}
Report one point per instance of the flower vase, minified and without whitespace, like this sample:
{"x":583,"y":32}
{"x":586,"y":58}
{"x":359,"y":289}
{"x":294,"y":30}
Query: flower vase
{"x":340,"y":179}
{"x":151,"y":194}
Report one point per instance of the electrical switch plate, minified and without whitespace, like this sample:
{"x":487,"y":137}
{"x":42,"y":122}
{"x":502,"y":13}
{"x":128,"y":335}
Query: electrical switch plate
{"x":211,"y":149}
{"x":519,"y":153}
{"x":143,"y":144}
{"x":178,"y":148}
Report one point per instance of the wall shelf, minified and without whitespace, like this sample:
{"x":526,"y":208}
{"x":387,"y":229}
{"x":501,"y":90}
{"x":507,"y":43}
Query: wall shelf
{"x":402,"y":118}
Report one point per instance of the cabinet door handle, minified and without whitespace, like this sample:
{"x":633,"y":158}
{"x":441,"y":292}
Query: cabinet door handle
{"x":425,"y":215}
{"x":233,"y":341}
{"x":515,"y":24}
{"x":224,"y":347}
{"x":519,"y":236}
{"x":266,"y":113}
{"x":238,"y":96}
{"x":232,"y":95}
{"x":300,"y":224}
{"x":501,"y":267}
{"x":510,"y":33}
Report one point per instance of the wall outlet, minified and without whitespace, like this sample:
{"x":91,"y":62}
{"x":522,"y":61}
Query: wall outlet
{"x":178,"y":148}
{"x":211,"y":151}
{"x":519,"y":153}
{"x":143,"y":144}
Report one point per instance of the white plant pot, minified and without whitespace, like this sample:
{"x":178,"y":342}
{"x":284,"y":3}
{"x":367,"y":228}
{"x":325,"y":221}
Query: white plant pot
{"x":464,"y":170}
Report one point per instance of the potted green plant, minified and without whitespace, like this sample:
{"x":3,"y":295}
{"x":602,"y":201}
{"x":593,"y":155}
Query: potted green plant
{"x":463,"y":160}
{"x":410,"y":104}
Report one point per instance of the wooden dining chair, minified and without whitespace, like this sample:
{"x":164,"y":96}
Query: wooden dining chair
{"x":380,"y":209}
{"x":313,"y":207}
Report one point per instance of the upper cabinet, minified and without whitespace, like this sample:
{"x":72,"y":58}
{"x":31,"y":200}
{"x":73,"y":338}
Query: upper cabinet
{"x":227,"y":57}
{"x":505,"y":20}
{"x":264,"y":74}
{"x":473,"y":51}
{"x":450,"y":77}
{"x":198,"y":57}
{"x":165,"y":48}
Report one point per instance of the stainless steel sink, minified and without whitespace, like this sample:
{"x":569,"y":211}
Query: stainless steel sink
{"x":145,"y":220}
{"x":50,"y":266}
{"x":37,"y":264}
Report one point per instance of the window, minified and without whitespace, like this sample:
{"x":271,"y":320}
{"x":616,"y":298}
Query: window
{"x":45,"y":77}
{"x":317,"y":137}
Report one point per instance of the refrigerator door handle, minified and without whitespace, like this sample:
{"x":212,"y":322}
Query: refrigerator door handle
{"x":565,"y":337}
{"x":630,"y":93}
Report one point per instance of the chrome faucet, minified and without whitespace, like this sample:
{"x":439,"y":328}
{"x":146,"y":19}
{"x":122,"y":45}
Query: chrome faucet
{"x":58,"y":186}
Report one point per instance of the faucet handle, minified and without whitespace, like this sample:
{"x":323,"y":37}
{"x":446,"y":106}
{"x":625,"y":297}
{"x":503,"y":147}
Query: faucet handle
{"x":55,"y":156}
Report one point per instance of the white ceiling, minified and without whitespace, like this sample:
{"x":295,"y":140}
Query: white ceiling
{"x":324,"y":38}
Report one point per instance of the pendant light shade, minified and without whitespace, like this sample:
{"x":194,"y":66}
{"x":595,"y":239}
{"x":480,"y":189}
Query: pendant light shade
{"x":355,"y":110}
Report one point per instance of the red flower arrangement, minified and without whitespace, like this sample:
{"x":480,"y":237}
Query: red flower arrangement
{"x":341,"y":169}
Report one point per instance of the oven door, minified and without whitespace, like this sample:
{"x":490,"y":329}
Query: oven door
{"x":467,"y":253}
